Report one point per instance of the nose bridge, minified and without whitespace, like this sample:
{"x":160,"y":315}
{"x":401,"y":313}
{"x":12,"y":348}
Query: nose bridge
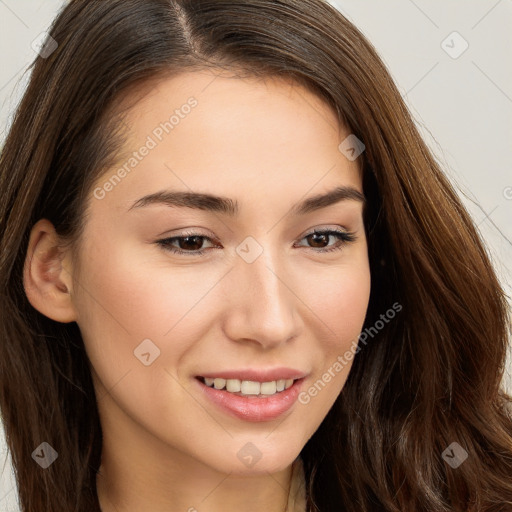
{"x":262,"y":305}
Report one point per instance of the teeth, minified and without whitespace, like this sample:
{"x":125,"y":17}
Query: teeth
{"x":233,"y":385}
{"x":268,"y":388}
{"x":219,"y":383}
{"x":249,"y":387}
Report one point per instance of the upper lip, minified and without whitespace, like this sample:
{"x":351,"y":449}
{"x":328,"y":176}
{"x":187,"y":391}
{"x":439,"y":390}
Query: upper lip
{"x":253,"y":374}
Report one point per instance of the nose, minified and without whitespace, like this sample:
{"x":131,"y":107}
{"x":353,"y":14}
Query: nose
{"x":261,"y":304}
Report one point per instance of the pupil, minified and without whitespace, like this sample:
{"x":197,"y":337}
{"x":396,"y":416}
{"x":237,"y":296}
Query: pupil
{"x":316,"y":236}
{"x":185,"y":241}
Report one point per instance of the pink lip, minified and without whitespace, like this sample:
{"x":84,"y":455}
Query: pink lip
{"x":253,"y":408}
{"x":257,"y":375}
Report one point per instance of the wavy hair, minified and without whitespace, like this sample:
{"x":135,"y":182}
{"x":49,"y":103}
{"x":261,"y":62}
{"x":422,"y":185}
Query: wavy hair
{"x":429,"y":378}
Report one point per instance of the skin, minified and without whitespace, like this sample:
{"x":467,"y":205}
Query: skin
{"x":268,"y":144}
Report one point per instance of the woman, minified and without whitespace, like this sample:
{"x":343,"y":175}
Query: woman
{"x":236,"y":278}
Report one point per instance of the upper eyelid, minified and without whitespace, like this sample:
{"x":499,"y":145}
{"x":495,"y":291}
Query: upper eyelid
{"x":197,"y":231}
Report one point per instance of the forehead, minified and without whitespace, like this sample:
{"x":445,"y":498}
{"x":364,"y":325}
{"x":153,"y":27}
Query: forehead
{"x":225,"y":103}
{"x":206,"y":130}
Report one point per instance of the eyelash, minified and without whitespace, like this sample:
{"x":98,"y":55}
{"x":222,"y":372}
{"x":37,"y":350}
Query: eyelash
{"x":344,"y":236}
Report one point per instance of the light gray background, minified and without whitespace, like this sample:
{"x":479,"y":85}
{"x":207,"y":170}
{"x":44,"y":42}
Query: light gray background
{"x":463,"y":105}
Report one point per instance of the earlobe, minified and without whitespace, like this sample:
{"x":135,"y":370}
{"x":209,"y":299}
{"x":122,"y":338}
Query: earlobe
{"x":47,"y":274}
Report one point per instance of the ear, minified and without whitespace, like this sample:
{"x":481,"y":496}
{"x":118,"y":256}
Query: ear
{"x":47,"y":274}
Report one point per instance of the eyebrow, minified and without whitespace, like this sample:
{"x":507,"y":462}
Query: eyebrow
{"x":230,"y":207}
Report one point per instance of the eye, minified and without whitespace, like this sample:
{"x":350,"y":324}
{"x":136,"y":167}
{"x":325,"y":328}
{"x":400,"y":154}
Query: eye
{"x":191,"y":243}
{"x":319,"y":237}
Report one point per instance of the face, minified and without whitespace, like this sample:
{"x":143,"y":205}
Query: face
{"x":174,"y":288}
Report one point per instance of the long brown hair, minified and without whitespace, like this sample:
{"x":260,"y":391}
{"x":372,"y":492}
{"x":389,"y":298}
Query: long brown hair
{"x":426,"y":380}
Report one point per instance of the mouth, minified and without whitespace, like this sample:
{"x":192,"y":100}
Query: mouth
{"x":248,"y":387}
{"x":250,"y":400}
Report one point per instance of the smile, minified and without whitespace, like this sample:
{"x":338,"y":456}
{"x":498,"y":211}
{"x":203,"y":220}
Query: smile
{"x":248,"y":387}
{"x":250,"y":400}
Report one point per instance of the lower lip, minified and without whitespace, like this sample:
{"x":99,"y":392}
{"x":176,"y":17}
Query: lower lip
{"x":254,"y":408}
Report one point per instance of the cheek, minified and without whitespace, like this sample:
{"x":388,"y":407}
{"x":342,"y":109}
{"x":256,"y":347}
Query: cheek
{"x":339,"y":296}
{"x":137,"y":296}
{"x":123,"y":299}
{"x":125,"y":302}
{"x":352,"y":305}
{"x":341,"y":307}
{"x":348,"y":302}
